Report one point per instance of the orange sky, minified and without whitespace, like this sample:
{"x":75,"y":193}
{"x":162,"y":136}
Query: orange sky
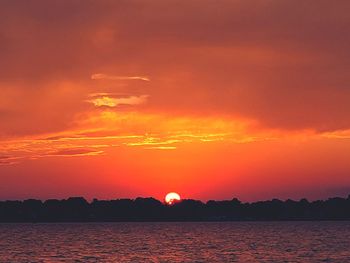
{"x":210,"y":99}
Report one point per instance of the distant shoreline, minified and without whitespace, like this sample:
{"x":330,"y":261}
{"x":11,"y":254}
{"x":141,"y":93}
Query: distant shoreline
{"x":204,"y":221}
{"x":77,"y":209}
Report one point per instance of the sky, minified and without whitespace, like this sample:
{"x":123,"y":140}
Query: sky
{"x":210,"y":99}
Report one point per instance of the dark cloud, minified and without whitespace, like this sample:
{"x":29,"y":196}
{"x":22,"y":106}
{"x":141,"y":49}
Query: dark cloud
{"x":283,"y":63}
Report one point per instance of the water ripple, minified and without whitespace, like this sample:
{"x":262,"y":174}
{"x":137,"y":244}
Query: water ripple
{"x":176,"y":242}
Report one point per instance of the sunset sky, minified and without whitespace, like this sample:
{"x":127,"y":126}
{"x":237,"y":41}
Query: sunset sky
{"x":212,"y":99}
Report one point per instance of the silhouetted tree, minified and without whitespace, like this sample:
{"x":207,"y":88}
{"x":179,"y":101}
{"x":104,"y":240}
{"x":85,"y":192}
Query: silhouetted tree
{"x":77,"y":209}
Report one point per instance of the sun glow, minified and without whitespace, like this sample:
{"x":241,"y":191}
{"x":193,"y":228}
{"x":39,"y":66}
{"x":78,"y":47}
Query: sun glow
{"x":171,"y":198}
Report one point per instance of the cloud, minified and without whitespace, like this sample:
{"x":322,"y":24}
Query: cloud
{"x":289,"y":72}
{"x":163,"y":147}
{"x":107,"y":101}
{"x":100,"y":131}
{"x":340,"y":134}
{"x":148,"y":140}
{"x":99,"y":76}
{"x":9,"y":160}
{"x":74,"y":152}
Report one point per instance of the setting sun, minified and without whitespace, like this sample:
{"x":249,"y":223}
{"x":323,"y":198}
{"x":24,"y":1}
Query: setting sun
{"x":171,"y":198}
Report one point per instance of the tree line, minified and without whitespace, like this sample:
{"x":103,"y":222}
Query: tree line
{"x":77,"y":209}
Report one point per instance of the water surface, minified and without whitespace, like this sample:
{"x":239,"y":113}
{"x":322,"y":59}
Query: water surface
{"x":176,"y":242}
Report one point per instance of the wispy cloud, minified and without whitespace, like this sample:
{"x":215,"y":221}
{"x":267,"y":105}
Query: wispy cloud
{"x":100,"y":131}
{"x":74,"y":152}
{"x":152,"y":141}
{"x":8,"y":160}
{"x":108,"y":101}
{"x":99,"y":76}
{"x":163,"y":147}
{"x":340,"y":134}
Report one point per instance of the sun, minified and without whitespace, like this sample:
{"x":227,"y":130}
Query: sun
{"x":171,"y":198}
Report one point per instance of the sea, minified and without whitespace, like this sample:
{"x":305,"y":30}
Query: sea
{"x":176,"y":242}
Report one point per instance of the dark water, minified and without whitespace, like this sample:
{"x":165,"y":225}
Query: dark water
{"x":176,"y":242}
